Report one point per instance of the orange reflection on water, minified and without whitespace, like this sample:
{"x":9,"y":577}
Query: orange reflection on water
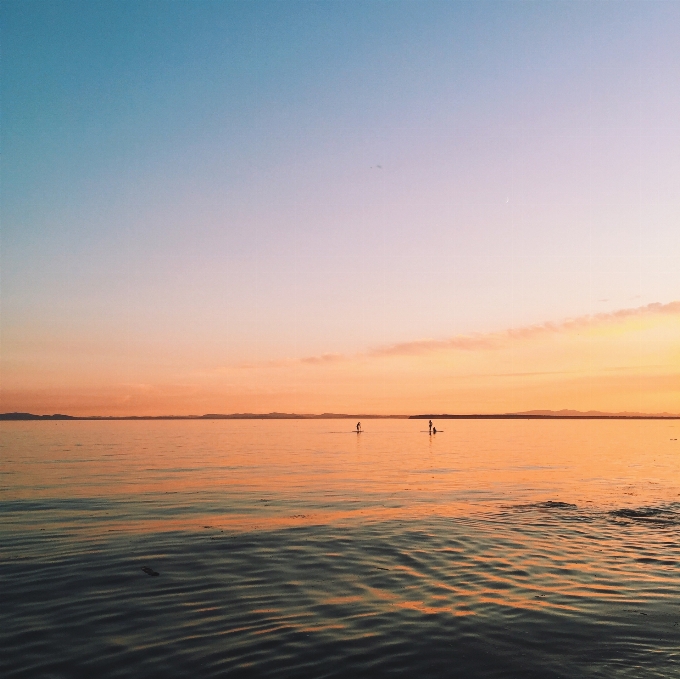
{"x":241,"y":475}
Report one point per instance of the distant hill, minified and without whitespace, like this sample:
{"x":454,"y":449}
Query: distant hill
{"x":552,"y":414}
{"x":592,"y":413}
{"x":30,"y":416}
{"x":528,"y":414}
{"x":209,"y":416}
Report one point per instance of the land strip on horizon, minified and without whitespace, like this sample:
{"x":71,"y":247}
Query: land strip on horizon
{"x":529,"y":415}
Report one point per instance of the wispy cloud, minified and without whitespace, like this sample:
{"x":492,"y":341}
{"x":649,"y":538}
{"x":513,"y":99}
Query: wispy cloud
{"x":324,"y":358}
{"x":494,"y":340}
{"x":497,"y":340}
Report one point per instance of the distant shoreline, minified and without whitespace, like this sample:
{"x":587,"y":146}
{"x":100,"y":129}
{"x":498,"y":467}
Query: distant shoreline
{"x":216,"y":416}
{"x":23,"y":417}
{"x":522,"y":416}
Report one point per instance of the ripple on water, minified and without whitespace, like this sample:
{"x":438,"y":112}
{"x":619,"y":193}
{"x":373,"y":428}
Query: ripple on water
{"x":412,"y":599}
{"x":655,"y":516}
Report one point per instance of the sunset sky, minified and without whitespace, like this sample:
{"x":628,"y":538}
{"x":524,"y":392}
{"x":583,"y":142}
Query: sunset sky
{"x":385,"y":207}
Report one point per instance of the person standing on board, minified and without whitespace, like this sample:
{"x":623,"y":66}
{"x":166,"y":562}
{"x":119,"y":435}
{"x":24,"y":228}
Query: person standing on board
{"x":430,"y":426}
{"x":358,"y":427}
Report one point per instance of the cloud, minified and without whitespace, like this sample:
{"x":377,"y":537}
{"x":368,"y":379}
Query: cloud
{"x":324,"y":358}
{"x":498,"y":340}
{"x":474,"y":341}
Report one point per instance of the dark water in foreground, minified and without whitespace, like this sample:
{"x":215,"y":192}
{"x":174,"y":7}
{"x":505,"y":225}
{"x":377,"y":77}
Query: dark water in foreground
{"x":495,"y":549}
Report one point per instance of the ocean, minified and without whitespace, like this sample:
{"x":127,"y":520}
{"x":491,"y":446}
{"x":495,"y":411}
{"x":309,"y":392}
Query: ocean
{"x":299,"y":548}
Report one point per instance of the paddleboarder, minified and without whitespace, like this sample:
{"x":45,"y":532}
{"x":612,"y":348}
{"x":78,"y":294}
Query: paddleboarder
{"x":430,"y":426}
{"x":358,"y":427}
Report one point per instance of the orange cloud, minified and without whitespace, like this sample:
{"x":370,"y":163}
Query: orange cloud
{"x":494,"y":340}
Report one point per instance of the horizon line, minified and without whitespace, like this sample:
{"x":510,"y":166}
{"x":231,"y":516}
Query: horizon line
{"x":528,"y":415}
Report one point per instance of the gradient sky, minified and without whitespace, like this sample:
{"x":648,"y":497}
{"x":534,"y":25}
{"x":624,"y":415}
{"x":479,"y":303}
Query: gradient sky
{"x":230,"y":206}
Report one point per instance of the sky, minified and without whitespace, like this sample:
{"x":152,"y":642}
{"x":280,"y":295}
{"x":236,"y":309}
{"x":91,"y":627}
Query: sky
{"x":386,"y":207}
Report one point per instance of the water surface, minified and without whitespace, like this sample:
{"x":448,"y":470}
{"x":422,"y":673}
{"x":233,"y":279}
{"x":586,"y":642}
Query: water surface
{"x":299,"y":548}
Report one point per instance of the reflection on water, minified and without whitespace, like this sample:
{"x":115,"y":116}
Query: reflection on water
{"x":299,"y":548}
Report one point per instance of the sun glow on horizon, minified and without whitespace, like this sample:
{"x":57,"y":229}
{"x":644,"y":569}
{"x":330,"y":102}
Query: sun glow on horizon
{"x":623,"y":361}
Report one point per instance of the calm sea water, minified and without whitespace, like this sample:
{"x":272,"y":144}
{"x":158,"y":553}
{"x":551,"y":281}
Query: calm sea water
{"x":301,"y":549}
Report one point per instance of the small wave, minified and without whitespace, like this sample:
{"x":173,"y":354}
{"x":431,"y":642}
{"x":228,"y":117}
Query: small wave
{"x":548,"y":504}
{"x":652,"y":515}
{"x":552,"y":504}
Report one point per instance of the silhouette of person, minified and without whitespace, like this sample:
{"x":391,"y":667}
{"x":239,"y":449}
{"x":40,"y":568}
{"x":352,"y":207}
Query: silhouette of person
{"x":358,"y":427}
{"x":430,"y":426}
{"x":434,"y":430}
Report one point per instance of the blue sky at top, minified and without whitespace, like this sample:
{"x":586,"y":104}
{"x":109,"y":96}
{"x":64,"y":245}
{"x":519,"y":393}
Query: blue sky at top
{"x":204,"y":176}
